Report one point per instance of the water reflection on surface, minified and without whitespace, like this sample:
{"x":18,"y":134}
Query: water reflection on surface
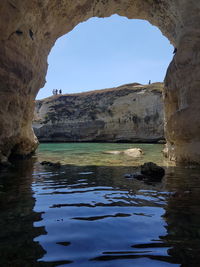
{"x":17,"y":246}
{"x":93,"y":216}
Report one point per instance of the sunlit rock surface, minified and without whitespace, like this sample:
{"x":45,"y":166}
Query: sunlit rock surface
{"x":29,"y":29}
{"x":130,"y":112}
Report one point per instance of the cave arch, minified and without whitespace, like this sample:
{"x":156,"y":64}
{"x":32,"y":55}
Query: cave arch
{"x":107,"y":52}
{"x":30,"y":28}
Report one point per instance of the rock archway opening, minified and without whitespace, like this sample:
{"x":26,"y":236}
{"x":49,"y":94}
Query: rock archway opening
{"x":127,"y":56}
{"x":105,"y":53}
{"x":29,"y":30}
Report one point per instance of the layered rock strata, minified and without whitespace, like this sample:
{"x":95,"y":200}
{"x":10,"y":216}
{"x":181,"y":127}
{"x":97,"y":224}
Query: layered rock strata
{"x":29,"y":29}
{"x":130,"y":112}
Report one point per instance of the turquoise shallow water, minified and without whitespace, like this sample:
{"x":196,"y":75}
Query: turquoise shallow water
{"x":86,"y":213}
{"x":93,"y":154}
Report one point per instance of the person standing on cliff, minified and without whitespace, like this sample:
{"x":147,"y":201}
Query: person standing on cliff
{"x":56,"y":91}
{"x":60,"y":91}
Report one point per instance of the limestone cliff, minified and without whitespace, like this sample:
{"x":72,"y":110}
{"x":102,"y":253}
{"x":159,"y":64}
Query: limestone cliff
{"x":131,"y":112}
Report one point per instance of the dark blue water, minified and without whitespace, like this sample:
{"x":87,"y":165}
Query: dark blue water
{"x":88,"y":215}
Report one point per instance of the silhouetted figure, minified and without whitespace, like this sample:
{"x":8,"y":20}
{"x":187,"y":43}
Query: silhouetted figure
{"x":60,"y":91}
{"x":53,"y":91}
{"x":149,"y":81}
{"x":56,"y":91}
{"x":175,"y":50}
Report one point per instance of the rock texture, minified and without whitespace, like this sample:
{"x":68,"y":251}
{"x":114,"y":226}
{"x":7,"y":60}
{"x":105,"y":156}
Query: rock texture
{"x":130,"y":112}
{"x":29,"y":29}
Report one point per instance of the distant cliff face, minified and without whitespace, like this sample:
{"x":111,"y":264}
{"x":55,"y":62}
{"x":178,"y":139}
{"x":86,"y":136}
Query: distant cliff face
{"x":130,"y":112}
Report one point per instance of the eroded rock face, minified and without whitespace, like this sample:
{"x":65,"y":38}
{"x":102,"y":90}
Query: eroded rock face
{"x":130,"y":112}
{"x":30,"y":28}
{"x":182,"y":98}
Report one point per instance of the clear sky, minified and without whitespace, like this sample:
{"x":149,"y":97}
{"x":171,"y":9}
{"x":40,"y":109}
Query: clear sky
{"x":107,"y":52}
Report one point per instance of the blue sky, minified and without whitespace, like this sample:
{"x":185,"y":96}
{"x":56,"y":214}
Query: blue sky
{"x":107,"y":52}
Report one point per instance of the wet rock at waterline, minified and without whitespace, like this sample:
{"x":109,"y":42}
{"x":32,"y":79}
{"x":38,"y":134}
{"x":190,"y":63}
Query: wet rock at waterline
{"x":51,"y":164}
{"x":148,"y":172}
{"x":113,"y":152}
{"x":152,"y":170}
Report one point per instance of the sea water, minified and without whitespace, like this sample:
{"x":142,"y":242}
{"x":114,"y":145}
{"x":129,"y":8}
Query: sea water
{"x":86,"y":213}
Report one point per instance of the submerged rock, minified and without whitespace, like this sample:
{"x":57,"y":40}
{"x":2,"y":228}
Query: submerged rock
{"x":113,"y":152}
{"x":132,"y":152}
{"x":152,"y":170}
{"x":136,"y":175}
{"x":51,"y":164}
